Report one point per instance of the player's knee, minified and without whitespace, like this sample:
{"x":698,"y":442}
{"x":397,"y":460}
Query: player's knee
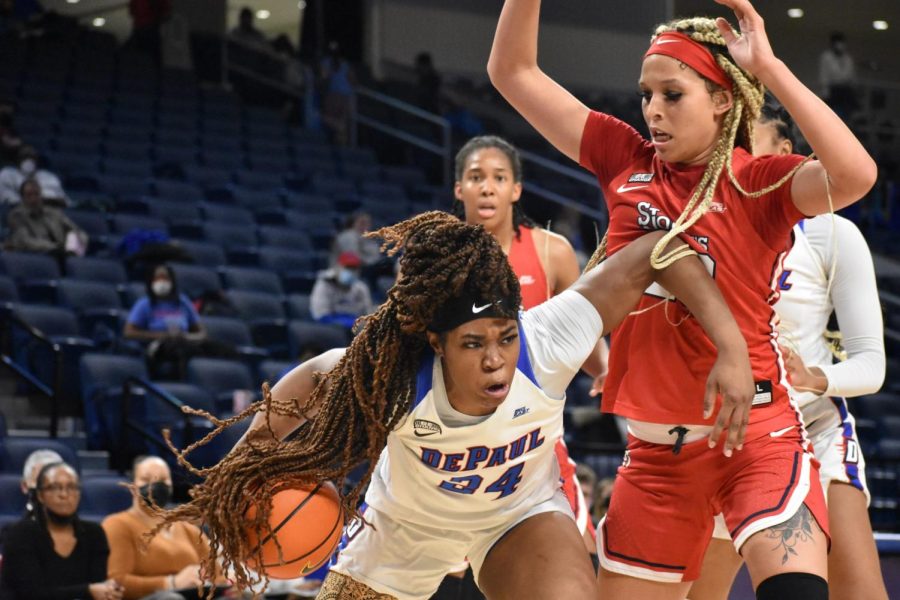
{"x":793,"y":585}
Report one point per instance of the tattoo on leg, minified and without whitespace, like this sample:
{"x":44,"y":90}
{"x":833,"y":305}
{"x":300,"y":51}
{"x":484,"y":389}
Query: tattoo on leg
{"x":798,"y":528}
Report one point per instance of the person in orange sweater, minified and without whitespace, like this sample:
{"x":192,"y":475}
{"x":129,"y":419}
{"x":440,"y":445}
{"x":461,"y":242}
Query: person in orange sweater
{"x":171,"y":563}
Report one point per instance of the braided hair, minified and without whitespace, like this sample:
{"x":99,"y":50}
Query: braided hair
{"x":365,"y":396}
{"x":737,"y":131}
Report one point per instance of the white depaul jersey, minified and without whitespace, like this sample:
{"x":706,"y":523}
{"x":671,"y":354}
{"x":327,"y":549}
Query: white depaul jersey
{"x":443,"y":469}
{"x":824,"y":245}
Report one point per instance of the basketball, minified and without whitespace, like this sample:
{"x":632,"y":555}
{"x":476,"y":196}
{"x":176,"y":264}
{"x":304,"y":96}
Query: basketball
{"x":306,"y":522}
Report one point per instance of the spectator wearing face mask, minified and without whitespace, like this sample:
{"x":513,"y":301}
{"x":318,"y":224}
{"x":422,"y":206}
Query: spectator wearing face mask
{"x":34,"y":227}
{"x":169,"y":323}
{"x":54,"y":555}
{"x":339,"y":295}
{"x":27,"y":167}
{"x":171,"y":561}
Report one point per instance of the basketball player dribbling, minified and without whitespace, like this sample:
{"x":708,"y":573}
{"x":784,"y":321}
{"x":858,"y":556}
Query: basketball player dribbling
{"x":701,"y":84}
{"x":456,"y":397}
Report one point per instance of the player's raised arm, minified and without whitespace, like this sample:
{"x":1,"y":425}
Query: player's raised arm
{"x":851,"y":171}
{"x":513,"y":69}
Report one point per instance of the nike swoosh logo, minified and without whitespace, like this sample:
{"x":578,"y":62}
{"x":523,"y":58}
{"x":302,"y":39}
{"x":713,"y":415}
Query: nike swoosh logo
{"x":660,"y":42}
{"x":478,"y":309}
{"x":781,"y":432}
{"x":623,"y":188}
{"x":426,"y":434}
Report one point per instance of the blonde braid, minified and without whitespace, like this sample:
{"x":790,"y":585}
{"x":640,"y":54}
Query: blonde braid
{"x":737,"y":130}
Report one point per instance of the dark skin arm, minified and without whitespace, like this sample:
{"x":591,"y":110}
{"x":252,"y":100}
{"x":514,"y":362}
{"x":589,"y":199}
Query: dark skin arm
{"x":615,"y":286}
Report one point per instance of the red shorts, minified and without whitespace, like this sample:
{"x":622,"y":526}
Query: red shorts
{"x":572,"y":489}
{"x":661,"y":513}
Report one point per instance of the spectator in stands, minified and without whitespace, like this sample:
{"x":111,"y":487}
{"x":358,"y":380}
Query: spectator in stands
{"x":13,"y":176}
{"x":339,"y":295}
{"x":168,"y":321}
{"x":34,"y":227}
{"x":147,"y":17}
{"x":837,"y":76}
{"x":351,"y":239}
{"x":171,"y":562}
{"x":33,"y":465}
{"x":246,"y":31}
{"x":428,"y":83}
{"x":56,"y":555}
{"x":602,"y":496}
{"x":337,"y":83}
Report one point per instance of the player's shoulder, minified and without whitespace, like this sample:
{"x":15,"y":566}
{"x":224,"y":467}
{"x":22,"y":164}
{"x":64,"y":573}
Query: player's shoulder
{"x":558,"y":245}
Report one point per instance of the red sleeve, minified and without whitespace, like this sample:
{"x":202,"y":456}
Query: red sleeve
{"x":774,"y":213}
{"x":608,"y":146}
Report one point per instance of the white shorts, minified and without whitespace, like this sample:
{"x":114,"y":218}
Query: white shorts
{"x":832,"y":430}
{"x":410,"y":561}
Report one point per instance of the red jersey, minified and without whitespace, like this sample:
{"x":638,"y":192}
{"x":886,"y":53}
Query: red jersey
{"x":527,"y":266}
{"x":660,"y":359}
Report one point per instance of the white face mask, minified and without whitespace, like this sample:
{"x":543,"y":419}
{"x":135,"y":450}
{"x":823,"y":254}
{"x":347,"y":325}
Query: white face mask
{"x":346,"y":277}
{"x":162,"y":287}
{"x":28,"y":166}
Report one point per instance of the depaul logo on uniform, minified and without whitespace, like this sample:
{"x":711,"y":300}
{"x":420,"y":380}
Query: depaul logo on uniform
{"x":424,"y":428}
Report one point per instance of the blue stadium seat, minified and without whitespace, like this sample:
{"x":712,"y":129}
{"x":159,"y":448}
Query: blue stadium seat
{"x":272,"y":370}
{"x":206,"y":176}
{"x":89,"y":268}
{"x":361,"y":173}
{"x":332,"y":186}
{"x":265,"y":315}
{"x":252,"y":280}
{"x":284,"y":237}
{"x":231,"y":236}
{"x":256,"y":180}
{"x":102,"y":377}
{"x":305,"y":336}
{"x":9,"y":293}
{"x":138,"y":151}
{"x":220,"y":378}
{"x":124,"y":186}
{"x":228,"y":215}
{"x":309,"y":203}
{"x":15,"y":451}
{"x":204,"y":253}
{"x":190,"y":394}
{"x":236,"y":333}
{"x":102,"y":496}
{"x":255,"y":306}
{"x":177,"y":212}
{"x":194,"y":281}
{"x":12,"y":500}
{"x":285,"y":260}
{"x":408,"y":177}
{"x":298,"y":307}
{"x":95,"y":224}
{"x":178,"y":191}
{"x":25,"y":266}
{"x":876,"y":406}
{"x":131,"y":168}
{"x":255,"y":199}
{"x":96,"y":303}
{"x":125,"y":223}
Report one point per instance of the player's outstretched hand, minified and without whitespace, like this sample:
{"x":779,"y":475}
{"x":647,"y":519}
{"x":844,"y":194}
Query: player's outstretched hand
{"x":732,"y":379}
{"x":750,"y":48}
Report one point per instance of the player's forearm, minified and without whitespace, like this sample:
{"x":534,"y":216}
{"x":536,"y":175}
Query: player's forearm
{"x":690,"y":282}
{"x":851,"y":169}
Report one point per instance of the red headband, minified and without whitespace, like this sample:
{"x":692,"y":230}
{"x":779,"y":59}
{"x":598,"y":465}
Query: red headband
{"x":693,"y":54}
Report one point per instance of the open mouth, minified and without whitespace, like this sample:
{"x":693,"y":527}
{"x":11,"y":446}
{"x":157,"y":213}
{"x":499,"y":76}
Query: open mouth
{"x":497,"y":390}
{"x":486,"y":211}
{"x":659,"y":137}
